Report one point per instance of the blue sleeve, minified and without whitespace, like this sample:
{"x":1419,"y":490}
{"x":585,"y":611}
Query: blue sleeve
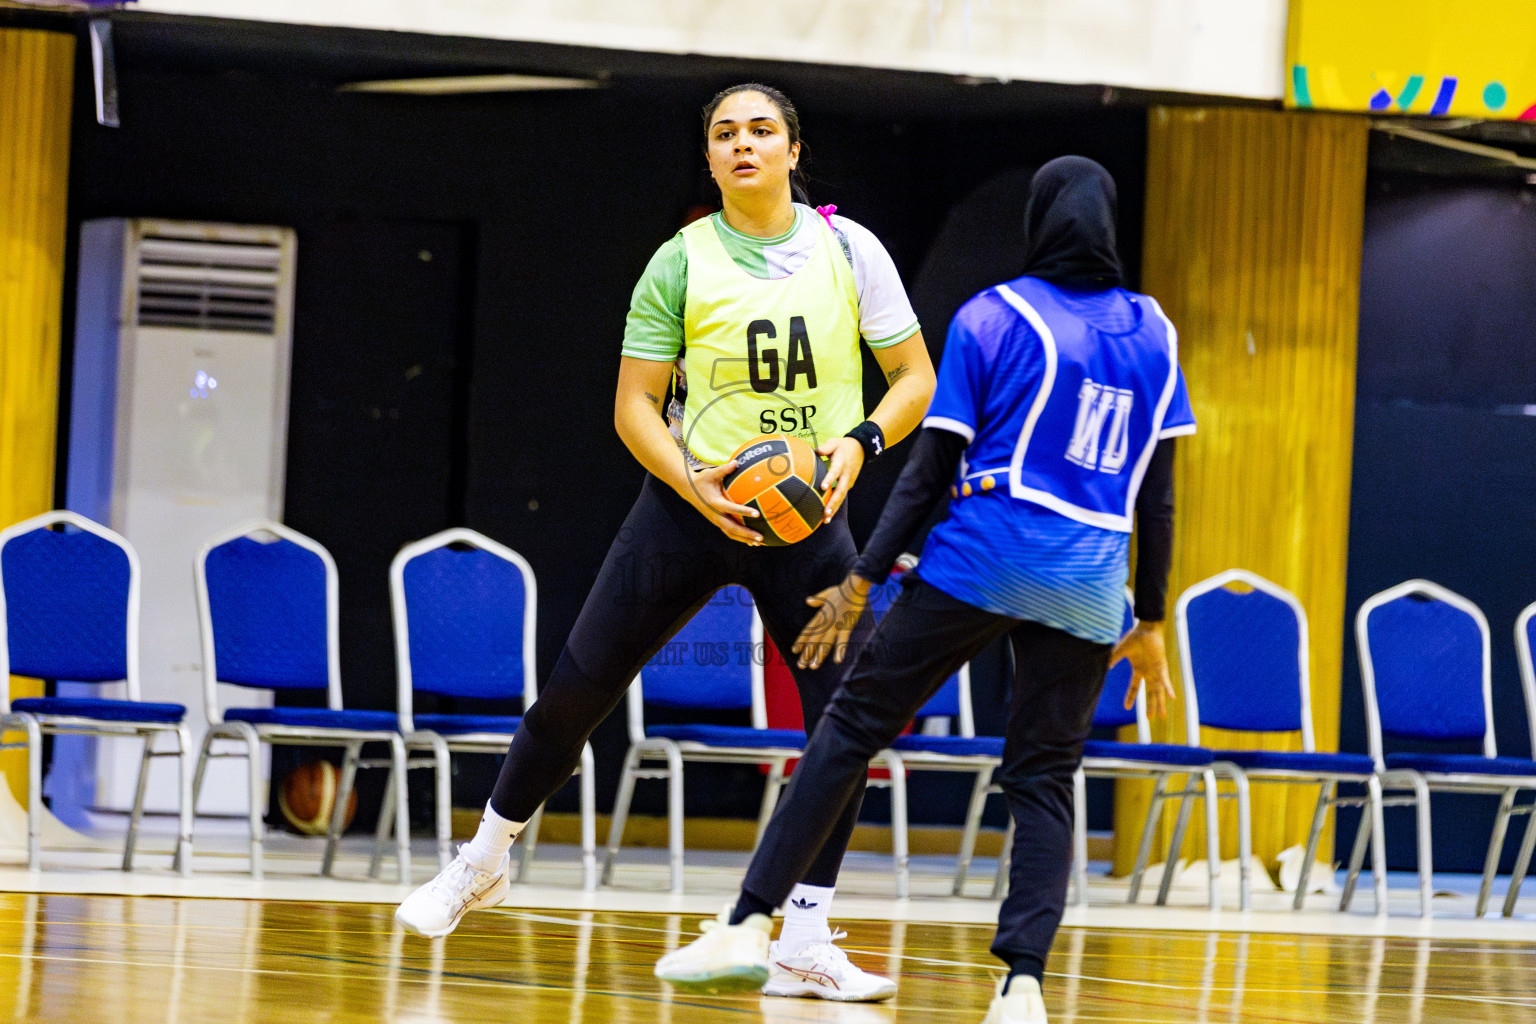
{"x":958,"y":397}
{"x":1180,"y":418}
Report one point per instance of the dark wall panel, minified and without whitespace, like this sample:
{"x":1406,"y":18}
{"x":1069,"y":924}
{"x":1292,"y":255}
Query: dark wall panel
{"x":1448,"y":312}
{"x":1445,"y":451}
{"x":370,"y":442}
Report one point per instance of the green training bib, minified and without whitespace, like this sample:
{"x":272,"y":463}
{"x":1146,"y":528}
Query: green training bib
{"x":768,"y":357}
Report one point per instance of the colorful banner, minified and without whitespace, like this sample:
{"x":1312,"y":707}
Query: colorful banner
{"x":1414,"y":57}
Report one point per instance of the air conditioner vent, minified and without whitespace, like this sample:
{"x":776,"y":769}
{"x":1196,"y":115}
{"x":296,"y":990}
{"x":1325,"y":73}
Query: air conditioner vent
{"x":219,"y":286}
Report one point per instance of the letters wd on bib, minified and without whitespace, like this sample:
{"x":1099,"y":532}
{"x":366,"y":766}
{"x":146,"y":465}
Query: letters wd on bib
{"x":1076,"y":389}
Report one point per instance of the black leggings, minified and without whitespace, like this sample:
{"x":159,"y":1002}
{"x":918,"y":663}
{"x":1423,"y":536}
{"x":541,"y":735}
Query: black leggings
{"x":921,"y":641}
{"x":665,"y":563}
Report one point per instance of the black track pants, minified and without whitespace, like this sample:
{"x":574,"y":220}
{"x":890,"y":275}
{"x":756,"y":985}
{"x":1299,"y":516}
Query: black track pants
{"x":665,"y":563}
{"x":922,"y":640}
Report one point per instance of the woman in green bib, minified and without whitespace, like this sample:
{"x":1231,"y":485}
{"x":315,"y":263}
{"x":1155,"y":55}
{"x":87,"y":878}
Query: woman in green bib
{"x":759,"y":311}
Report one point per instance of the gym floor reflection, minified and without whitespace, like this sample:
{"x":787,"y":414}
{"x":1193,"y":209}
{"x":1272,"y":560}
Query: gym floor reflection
{"x":116,"y":958}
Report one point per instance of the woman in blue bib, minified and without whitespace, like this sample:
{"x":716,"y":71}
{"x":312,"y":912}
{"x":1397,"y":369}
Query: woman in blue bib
{"x":769,"y":304}
{"x":1052,"y":427}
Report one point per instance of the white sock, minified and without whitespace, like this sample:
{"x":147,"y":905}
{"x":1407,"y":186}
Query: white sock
{"x":492,"y":841}
{"x":805,"y":918}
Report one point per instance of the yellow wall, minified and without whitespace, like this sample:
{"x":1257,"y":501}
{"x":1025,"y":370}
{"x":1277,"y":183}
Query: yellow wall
{"x":1253,"y":235}
{"x":36,"y":76}
{"x":1419,"y":57}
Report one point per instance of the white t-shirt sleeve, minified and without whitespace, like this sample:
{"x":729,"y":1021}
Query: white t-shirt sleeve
{"x":885,"y":312}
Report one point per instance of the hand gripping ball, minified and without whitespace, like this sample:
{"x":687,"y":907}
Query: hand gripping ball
{"x":780,"y":476}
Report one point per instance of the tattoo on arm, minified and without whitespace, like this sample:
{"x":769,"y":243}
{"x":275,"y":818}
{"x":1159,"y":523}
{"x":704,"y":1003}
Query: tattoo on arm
{"x":653,"y":398}
{"x":899,"y":372}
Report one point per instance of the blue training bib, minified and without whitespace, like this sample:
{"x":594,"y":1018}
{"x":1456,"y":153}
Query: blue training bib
{"x":1097,"y":411}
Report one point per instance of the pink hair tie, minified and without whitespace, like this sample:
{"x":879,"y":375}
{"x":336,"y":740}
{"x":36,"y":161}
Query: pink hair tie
{"x":827,"y":212}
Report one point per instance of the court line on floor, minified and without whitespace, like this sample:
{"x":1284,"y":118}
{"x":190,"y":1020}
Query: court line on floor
{"x":1502,"y":945}
{"x":423,"y":975}
{"x":1525,"y":1001}
{"x":428,"y":974}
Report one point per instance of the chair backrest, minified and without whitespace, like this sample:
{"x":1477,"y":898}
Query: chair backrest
{"x":1525,"y":642}
{"x":267,"y":599}
{"x":1243,"y":657}
{"x":465,"y":613}
{"x":69,"y":603}
{"x":952,"y":700}
{"x":1424,"y":664}
{"x":714,"y":662}
{"x":1111,"y":712}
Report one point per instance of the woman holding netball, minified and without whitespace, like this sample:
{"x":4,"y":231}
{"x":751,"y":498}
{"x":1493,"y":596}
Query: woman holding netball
{"x":767,"y":301}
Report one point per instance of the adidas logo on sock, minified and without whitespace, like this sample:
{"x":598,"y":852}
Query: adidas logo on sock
{"x":803,"y":904}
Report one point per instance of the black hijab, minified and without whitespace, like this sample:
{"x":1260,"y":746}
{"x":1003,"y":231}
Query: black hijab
{"x":1069,"y":225}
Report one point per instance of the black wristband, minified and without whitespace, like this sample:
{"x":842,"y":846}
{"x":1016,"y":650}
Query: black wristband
{"x":870,"y":436}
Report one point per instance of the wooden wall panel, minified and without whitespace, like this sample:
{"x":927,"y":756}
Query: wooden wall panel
{"x":1253,"y":239}
{"x":36,"y":81}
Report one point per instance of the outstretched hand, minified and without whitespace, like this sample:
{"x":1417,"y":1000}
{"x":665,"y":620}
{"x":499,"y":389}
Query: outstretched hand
{"x":1143,"y":645}
{"x":828,"y":631}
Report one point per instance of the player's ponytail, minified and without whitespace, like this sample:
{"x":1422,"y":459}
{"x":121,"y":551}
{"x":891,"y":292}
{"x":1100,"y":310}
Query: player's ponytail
{"x":791,"y":117}
{"x":797,"y":179}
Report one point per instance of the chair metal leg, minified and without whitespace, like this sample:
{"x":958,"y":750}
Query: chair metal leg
{"x":1357,"y":856}
{"x":1244,"y":841}
{"x":182,"y":861}
{"x":621,"y":802}
{"x":1080,"y":836}
{"x":385,"y":827}
{"x":899,"y":851}
{"x":530,"y":843}
{"x":1144,"y":847}
{"x":1426,"y":847}
{"x":339,"y":806}
{"x":1495,"y":848}
{"x":34,"y":793}
{"x":1176,"y":843}
{"x":1325,"y":795}
{"x":771,"y":788}
{"x":675,"y":816}
{"x":137,"y":815}
{"x":402,"y":809}
{"x":588,"y":819}
{"x":979,"y":791}
{"x":1378,"y":844}
{"x":442,"y":776}
{"x":1000,"y":881}
{"x":256,"y":795}
{"x":1213,"y":835}
{"x":1522,"y":864}
{"x":202,"y":767}
{"x":1212,"y":838}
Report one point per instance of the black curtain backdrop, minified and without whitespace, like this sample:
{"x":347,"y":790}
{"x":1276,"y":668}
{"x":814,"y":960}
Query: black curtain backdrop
{"x":545,"y":208}
{"x":1444,"y":482}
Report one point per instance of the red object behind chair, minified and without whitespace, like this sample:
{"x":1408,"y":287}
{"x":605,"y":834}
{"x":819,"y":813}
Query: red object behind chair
{"x":782,"y":701}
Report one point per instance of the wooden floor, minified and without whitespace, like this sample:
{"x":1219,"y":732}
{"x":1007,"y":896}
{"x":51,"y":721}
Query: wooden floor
{"x":138,"y":958}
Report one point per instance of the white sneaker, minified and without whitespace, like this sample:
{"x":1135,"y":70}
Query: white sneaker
{"x":726,"y":958}
{"x":822,"y":971}
{"x":1022,"y":1004}
{"x":436,"y":908}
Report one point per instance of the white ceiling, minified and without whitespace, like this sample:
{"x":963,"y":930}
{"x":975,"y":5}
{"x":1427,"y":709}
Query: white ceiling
{"x":1216,"y":47}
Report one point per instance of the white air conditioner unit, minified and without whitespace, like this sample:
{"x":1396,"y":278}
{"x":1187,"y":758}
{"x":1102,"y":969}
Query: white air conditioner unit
{"x":178,"y":429}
